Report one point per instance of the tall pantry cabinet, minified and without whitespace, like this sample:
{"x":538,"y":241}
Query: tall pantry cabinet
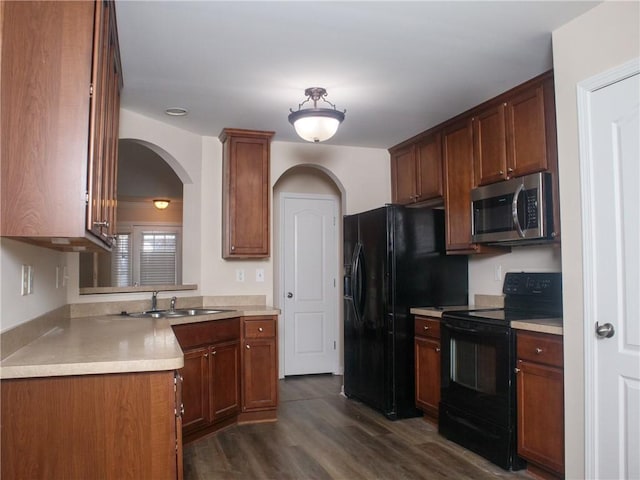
{"x":60,"y":92}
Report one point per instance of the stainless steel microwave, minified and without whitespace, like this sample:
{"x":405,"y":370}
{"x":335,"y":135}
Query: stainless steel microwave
{"x":514,"y":211}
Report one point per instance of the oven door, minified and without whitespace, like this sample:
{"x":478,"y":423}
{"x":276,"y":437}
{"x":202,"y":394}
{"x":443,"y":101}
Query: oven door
{"x":477,"y":366}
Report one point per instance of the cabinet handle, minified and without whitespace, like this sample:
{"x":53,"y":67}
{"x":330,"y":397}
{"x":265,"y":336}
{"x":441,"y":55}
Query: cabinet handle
{"x":501,"y":172}
{"x":248,"y":346}
{"x":509,"y":170}
{"x":517,"y":370}
{"x":538,"y":350}
{"x":101,"y":224}
{"x":214,"y":352}
{"x":426,"y":328}
{"x":438,"y":349}
{"x":206,"y":355}
{"x":181,"y":409}
{"x":260,"y":329}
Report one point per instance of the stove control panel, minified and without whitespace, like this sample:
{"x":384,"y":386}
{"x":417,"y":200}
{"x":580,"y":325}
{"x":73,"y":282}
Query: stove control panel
{"x":545,"y":284}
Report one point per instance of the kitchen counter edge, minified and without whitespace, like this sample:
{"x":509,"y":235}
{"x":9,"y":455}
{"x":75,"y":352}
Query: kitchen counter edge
{"x":108,"y":344}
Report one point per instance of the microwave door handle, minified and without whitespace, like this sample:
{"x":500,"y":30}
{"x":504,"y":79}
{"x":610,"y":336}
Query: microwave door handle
{"x":514,"y":210}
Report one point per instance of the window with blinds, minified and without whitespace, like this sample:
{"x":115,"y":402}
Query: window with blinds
{"x":158,"y":254}
{"x":148,"y":255}
{"x":121,"y":265}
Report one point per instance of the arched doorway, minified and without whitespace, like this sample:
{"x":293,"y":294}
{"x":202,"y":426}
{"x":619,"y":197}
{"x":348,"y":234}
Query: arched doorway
{"x":308,"y":289}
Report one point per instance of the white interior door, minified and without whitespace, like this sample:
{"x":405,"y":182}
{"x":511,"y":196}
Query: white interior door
{"x":310,"y":249}
{"x":611,"y":219}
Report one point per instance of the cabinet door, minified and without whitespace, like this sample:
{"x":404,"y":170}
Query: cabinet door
{"x":246,"y":193}
{"x":489,"y":145}
{"x":403,"y":175}
{"x":195,"y":389}
{"x":526,"y":133}
{"x":260,"y":375}
{"x":457,"y":147}
{"x":225,"y":380}
{"x":541,"y":415}
{"x":429,"y":168}
{"x":427,"y":375}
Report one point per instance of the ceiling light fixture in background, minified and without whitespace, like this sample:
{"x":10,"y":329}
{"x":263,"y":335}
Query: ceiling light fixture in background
{"x":176,"y":111}
{"x":316,"y":124}
{"x":161,"y":203}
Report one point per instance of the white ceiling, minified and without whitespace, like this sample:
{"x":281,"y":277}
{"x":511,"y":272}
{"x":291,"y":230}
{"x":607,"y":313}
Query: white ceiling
{"x":398,"y":68}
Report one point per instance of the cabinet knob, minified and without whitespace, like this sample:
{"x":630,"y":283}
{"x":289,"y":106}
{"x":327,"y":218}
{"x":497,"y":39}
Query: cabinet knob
{"x":501,"y":172}
{"x":438,"y":349}
{"x":248,"y":347}
{"x":181,"y":409}
{"x":260,"y":329}
{"x":538,"y":350}
{"x":426,"y":327}
{"x":233,"y":247}
{"x":206,"y":355}
{"x":509,"y":170}
{"x":517,"y":370}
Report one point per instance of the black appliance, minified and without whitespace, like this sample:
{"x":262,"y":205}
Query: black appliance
{"x":394,"y":259}
{"x":478,"y":384}
{"x":513,"y":212}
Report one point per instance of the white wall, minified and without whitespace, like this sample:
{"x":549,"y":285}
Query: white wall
{"x":15,"y":308}
{"x":602,"y":38}
{"x":363,"y":173}
{"x":484,"y":269}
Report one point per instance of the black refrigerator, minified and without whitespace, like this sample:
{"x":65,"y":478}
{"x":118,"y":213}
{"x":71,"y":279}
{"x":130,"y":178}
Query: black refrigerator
{"x":394,"y":259}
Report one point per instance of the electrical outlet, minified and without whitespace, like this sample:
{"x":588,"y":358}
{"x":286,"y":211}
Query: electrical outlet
{"x":259,"y":274}
{"x":239,"y":275}
{"x":30,"y":281}
{"x":497,"y":274}
{"x":26,"y":283}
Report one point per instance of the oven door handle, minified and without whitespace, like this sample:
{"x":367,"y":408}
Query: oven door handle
{"x":514,"y":210}
{"x":460,"y":330}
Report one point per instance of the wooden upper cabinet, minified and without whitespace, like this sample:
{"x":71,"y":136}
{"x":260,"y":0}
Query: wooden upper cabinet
{"x":416,"y":171}
{"x":403,"y":175}
{"x":59,"y":115}
{"x":245,"y":199}
{"x":511,"y":136}
{"x":457,"y":146}
{"x":490,"y":145}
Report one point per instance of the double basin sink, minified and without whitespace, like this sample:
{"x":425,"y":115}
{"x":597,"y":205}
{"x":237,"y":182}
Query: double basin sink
{"x":176,"y":313}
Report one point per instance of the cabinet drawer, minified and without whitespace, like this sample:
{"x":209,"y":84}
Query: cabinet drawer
{"x":540,"y":348}
{"x":259,"y":328}
{"x":204,"y":333}
{"x":427,"y":327}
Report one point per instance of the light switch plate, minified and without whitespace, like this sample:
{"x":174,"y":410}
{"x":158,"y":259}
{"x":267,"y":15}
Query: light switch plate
{"x":259,"y":274}
{"x":240,"y":275}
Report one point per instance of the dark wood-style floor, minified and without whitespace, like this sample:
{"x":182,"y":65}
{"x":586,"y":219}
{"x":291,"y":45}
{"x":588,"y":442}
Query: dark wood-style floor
{"x":323,"y":435}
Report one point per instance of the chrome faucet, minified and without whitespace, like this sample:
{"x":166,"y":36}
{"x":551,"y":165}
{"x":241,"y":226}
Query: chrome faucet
{"x":154,"y":301}
{"x":172,"y":307}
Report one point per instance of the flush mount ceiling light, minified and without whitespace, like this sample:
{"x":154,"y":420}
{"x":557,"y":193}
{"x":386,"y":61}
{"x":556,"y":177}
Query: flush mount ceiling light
{"x":176,"y":111}
{"x":316,"y":124}
{"x":161,"y":203}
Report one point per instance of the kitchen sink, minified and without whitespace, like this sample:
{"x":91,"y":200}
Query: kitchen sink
{"x":181,"y":312}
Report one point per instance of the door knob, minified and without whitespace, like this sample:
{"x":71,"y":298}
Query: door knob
{"x":605,"y":331}
{"x":289,"y":295}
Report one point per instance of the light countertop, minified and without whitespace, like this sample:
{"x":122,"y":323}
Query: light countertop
{"x":438,"y":311}
{"x":109,"y":344}
{"x":543,"y":325}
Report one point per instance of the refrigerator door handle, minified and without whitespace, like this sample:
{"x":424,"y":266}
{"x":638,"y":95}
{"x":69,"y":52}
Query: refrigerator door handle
{"x":360,"y":279}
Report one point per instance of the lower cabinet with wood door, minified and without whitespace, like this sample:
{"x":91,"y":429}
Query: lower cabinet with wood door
{"x":540,"y":403}
{"x":210,"y":376}
{"x":427,"y":368}
{"x":124,"y":425}
{"x":259,"y":368}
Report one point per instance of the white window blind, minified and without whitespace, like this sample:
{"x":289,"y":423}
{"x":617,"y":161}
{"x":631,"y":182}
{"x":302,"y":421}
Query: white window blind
{"x":158,"y":258}
{"x":121,"y":268}
{"x":147,"y":255}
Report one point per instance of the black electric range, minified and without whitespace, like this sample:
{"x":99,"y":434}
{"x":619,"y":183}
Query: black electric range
{"x":478,"y":395}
